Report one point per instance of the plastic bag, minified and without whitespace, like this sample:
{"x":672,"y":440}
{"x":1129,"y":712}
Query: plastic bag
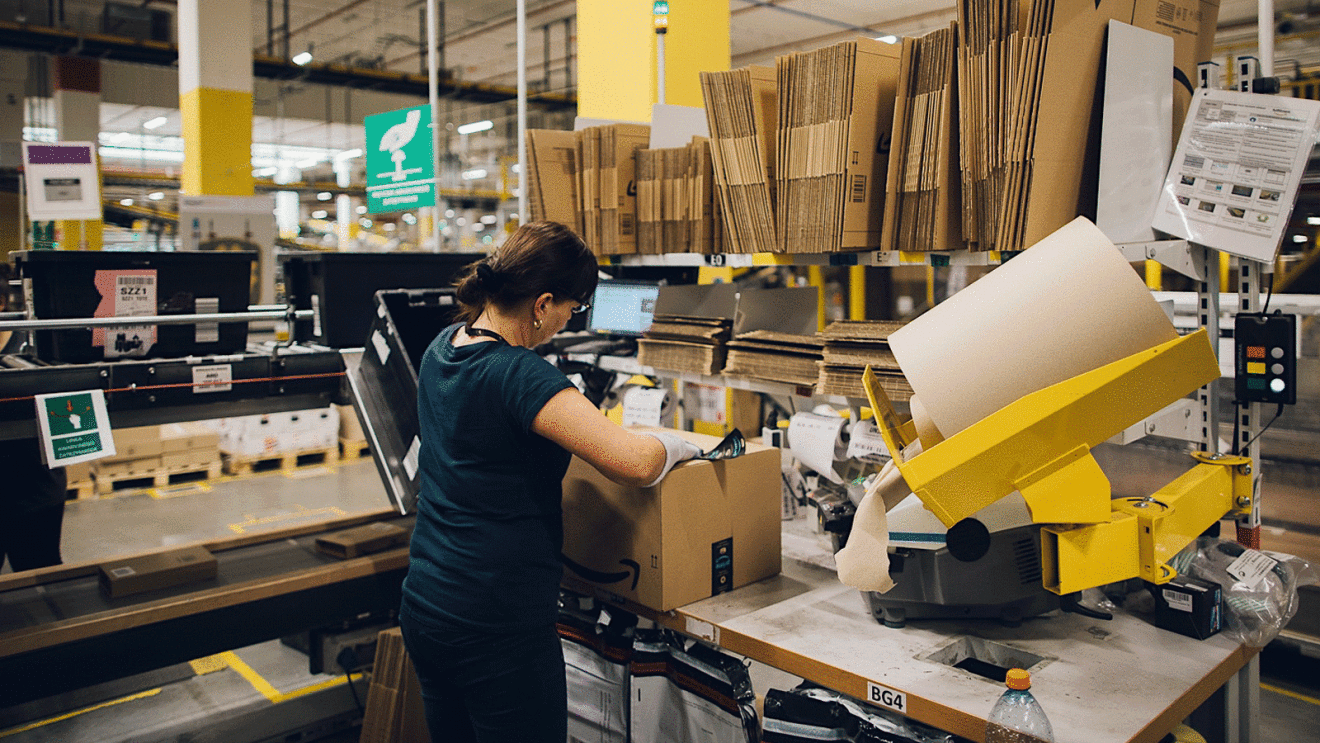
{"x":1260,"y":587}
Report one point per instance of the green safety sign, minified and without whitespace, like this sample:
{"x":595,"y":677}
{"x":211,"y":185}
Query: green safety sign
{"x":74,"y":427}
{"x":400,"y":160}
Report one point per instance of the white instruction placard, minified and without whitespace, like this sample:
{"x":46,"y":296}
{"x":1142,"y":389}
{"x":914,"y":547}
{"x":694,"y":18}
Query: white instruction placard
{"x":213,"y":378}
{"x":1234,"y":177}
{"x":642,"y":406}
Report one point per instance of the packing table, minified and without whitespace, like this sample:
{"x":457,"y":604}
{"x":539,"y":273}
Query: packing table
{"x":1098,"y":681}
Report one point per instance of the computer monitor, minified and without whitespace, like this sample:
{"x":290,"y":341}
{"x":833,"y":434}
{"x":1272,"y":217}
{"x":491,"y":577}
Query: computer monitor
{"x":622,"y":307}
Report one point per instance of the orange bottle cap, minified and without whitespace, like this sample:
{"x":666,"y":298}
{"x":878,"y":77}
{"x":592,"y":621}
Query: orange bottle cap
{"x":1018,"y":679}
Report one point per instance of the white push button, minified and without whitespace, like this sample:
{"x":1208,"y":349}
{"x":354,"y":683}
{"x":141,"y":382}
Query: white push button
{"x":1276,"y":352}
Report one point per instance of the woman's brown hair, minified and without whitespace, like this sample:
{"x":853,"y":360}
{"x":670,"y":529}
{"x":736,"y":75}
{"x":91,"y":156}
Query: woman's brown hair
{"x":539,"y":257}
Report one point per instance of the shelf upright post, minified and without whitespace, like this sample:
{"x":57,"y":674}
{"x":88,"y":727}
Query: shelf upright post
{"x":1207,"y":311}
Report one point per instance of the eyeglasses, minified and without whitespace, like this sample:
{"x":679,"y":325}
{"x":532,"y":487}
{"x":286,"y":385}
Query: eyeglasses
{"x":581,"y":307}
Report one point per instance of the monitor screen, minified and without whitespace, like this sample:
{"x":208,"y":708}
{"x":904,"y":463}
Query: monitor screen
{"x":622,"y":307}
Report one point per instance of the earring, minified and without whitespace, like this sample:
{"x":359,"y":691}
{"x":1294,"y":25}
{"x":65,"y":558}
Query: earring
{"x":536,"y":324}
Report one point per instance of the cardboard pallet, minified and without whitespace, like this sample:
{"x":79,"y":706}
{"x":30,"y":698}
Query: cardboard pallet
{"x":353,"y":449}
{"x":107,"y":485}
{"x":237,"y":464}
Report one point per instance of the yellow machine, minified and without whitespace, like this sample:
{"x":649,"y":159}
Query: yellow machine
{"x":1040,"y":445}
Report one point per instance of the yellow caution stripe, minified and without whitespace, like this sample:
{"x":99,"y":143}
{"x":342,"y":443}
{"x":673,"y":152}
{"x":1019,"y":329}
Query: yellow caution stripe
{"x":75,"y":713}
{"x":1292,"y":694}
{"x":270,"y":692}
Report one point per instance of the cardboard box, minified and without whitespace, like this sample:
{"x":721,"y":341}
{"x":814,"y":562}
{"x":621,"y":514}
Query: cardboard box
{"x":707,"y":528}
{"x":128,"y":576}
{"x":78,"y":473}
{"x":619,"y":144}
{"x":361,"y":540}
{"x":196,"y":459}
{"x":178,"y":437}
{"x":1189,"y":606}
{"x":135,"y":443}
{"x":350,"y":428}
{"x":555,"y":156}
{"x":116,"y":467}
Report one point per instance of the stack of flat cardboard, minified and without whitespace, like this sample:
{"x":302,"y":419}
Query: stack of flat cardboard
{"x":587,"y":206}
{"x":1052,"y":120}
{"x":836,"y":109}
{"x":922,"y":200}
{"x":394,"y":711}
{"x":741,"y":112}
{"x":988,"y":39}
{"x":852,"y":345}
{"x":774,"y":356}
{"x":552,"y":176}
{"x":676,"y":207}
{"x":685,"y":344}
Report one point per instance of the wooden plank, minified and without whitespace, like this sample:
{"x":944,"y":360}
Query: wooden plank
{"x":56,"y":573}
{"x":198,"y":602}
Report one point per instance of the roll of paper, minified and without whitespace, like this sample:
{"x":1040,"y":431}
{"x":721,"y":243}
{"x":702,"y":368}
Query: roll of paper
{"x":1067,"y":305}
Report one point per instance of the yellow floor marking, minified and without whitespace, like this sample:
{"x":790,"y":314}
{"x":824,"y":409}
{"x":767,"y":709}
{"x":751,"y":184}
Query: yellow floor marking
{"x":75,"y":713}
{"x":174,"y":491}
{"x":302,"y":513}
{"x":1293,"y":694}
{"x":209,"y":664}
{"x":270,"y":692}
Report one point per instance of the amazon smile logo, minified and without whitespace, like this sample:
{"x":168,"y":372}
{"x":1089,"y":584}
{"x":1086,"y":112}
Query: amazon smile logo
{"x":597,"y":576}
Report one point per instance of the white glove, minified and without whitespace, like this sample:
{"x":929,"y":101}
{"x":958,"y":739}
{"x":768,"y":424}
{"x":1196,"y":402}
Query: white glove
{"x":677,"y":449}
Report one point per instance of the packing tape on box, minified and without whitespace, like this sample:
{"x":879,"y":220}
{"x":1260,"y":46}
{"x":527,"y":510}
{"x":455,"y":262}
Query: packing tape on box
{"x":1067,"y":305}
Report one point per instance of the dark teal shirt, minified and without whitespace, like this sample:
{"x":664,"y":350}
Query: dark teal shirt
{"x":485,"y":553}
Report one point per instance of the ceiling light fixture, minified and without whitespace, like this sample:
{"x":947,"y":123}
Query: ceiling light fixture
{"x":474,"y":174}
{"x":155,"y":123}
{"x":320,"y":214}
{"x":126,"y":202}
{"x":156,"y":195}
{"x":476,"y":126}
{"x":302,"y":58}
{"x":324,"y":196}
{"x":1313,"y":219}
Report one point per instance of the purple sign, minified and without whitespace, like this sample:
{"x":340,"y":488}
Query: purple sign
{"x":49,"y":154}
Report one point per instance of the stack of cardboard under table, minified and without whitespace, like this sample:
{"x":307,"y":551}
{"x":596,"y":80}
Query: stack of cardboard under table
{"x":852,"y":345}
{"x":777,"y":357}
{"x":394,"y":712}
{"x":685,"y":344}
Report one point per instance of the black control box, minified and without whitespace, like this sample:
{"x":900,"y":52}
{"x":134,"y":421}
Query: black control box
{"x":1265,"y":358}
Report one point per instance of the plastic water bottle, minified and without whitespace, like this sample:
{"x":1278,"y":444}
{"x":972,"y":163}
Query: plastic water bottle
{"x":1017,"y":716}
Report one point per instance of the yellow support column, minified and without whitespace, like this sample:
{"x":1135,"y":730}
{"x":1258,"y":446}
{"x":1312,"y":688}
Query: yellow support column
{"x":857,"y":293}
{"x":617,"y":55}
{"x":215,"y":98}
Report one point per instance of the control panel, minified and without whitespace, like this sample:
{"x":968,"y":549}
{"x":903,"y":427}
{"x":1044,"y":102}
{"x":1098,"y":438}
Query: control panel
{"x":1265,"y":358}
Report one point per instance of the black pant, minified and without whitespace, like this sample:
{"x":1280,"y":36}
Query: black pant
{"x":489,"y":688}
{"x":31,"y":539}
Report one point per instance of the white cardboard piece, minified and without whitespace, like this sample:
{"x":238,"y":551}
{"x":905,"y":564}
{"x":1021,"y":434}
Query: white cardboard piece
{"x":1136,"y":133}
{"x":675,"y":126}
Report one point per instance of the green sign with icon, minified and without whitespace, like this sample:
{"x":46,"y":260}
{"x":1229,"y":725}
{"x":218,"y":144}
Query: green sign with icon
{"x":400,"y":160}
{"x":74,"y":427}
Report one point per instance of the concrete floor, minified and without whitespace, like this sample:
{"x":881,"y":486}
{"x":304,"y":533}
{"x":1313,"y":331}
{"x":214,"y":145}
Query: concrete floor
{"x":97,"y":529}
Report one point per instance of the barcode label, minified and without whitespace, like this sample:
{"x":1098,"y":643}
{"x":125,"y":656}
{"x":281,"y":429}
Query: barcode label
{"x":626,"y":226}
{"x":859,"y":189}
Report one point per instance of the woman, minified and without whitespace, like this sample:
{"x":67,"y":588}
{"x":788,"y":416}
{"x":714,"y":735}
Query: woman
{"x":498,"y":426}
{"x":32,"y":501}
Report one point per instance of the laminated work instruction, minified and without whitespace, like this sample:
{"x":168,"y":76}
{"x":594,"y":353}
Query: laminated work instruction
{"x":1234,"y":177}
